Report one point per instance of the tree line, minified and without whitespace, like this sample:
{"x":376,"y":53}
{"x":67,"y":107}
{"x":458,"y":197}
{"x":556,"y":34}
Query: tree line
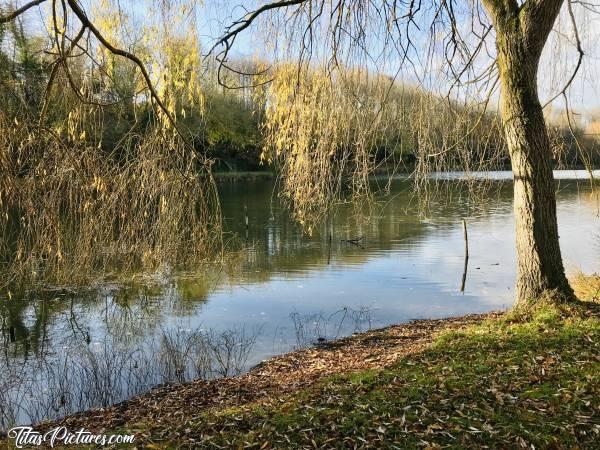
{"x":230,"y":126}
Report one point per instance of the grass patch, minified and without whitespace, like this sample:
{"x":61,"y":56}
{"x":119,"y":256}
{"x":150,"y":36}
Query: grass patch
{"x":505,"y":383}
{"x":586,"y":287}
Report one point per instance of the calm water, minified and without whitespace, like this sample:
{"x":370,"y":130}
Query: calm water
{"x":63,"y":352}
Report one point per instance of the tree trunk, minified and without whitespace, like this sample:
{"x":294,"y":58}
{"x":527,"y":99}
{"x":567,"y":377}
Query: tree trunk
{"x":539,"y":262}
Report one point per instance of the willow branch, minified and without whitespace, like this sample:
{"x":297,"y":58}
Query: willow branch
{"x":17,"y":12}
{"x":125,"y":54}
{"x":579,"y":59}
{"x":537,"y":18}
{"x":240,"y":25}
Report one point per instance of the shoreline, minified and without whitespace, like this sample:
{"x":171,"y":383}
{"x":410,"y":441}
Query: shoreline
{"x":279,"y":375}
{"x":525,"y":378}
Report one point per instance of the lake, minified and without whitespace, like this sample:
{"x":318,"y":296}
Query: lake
{"x":369,"y":266}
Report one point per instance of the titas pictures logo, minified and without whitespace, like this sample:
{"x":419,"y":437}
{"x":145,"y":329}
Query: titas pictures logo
{"x":27,"y":437}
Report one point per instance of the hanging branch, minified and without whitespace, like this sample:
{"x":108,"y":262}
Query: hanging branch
{"x":125,"y":54}
{"x":579,"y":48}
{"x":17,"y":12}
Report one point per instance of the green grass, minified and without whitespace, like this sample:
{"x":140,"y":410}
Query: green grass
{"x":507,"y":383}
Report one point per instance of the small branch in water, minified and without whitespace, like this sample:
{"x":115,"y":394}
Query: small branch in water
{"x":466,"y":238}
{"x":356,"y":241}
{"x":464,"y":222}
{"x":246,"y":220}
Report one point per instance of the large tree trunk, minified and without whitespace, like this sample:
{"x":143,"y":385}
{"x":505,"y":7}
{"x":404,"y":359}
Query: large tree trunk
{"x":539,"y":262}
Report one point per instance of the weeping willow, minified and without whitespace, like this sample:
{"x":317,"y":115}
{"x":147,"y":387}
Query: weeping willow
{"x":69,"y":211}
{"x":72,"y":208}
{"x":329,"y":130}
{"x":310,"y":119}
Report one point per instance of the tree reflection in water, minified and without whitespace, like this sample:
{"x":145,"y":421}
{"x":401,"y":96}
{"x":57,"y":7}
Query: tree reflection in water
{"x":64,"y":350}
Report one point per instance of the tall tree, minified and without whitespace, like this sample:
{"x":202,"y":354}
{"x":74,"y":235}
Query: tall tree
{"x":367,"y":32}
{"x":521,"y":30}
{"x":521,"y":34}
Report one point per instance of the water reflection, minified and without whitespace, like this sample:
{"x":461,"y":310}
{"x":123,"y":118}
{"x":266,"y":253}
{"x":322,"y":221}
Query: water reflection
{"x":64,"y":350}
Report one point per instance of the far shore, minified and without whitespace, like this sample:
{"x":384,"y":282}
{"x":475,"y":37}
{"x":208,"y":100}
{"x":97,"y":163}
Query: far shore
{"x":576,"y":173}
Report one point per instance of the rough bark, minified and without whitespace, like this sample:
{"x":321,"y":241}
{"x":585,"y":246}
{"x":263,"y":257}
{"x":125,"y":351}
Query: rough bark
{"x":520,"y":37}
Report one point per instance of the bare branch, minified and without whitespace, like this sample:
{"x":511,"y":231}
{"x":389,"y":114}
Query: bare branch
{"x":17,"y":12}
{"x":240,"y":25}
{"x":537,"y":18}
{"x":125,"y":54}
{"x":579,"y":59}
